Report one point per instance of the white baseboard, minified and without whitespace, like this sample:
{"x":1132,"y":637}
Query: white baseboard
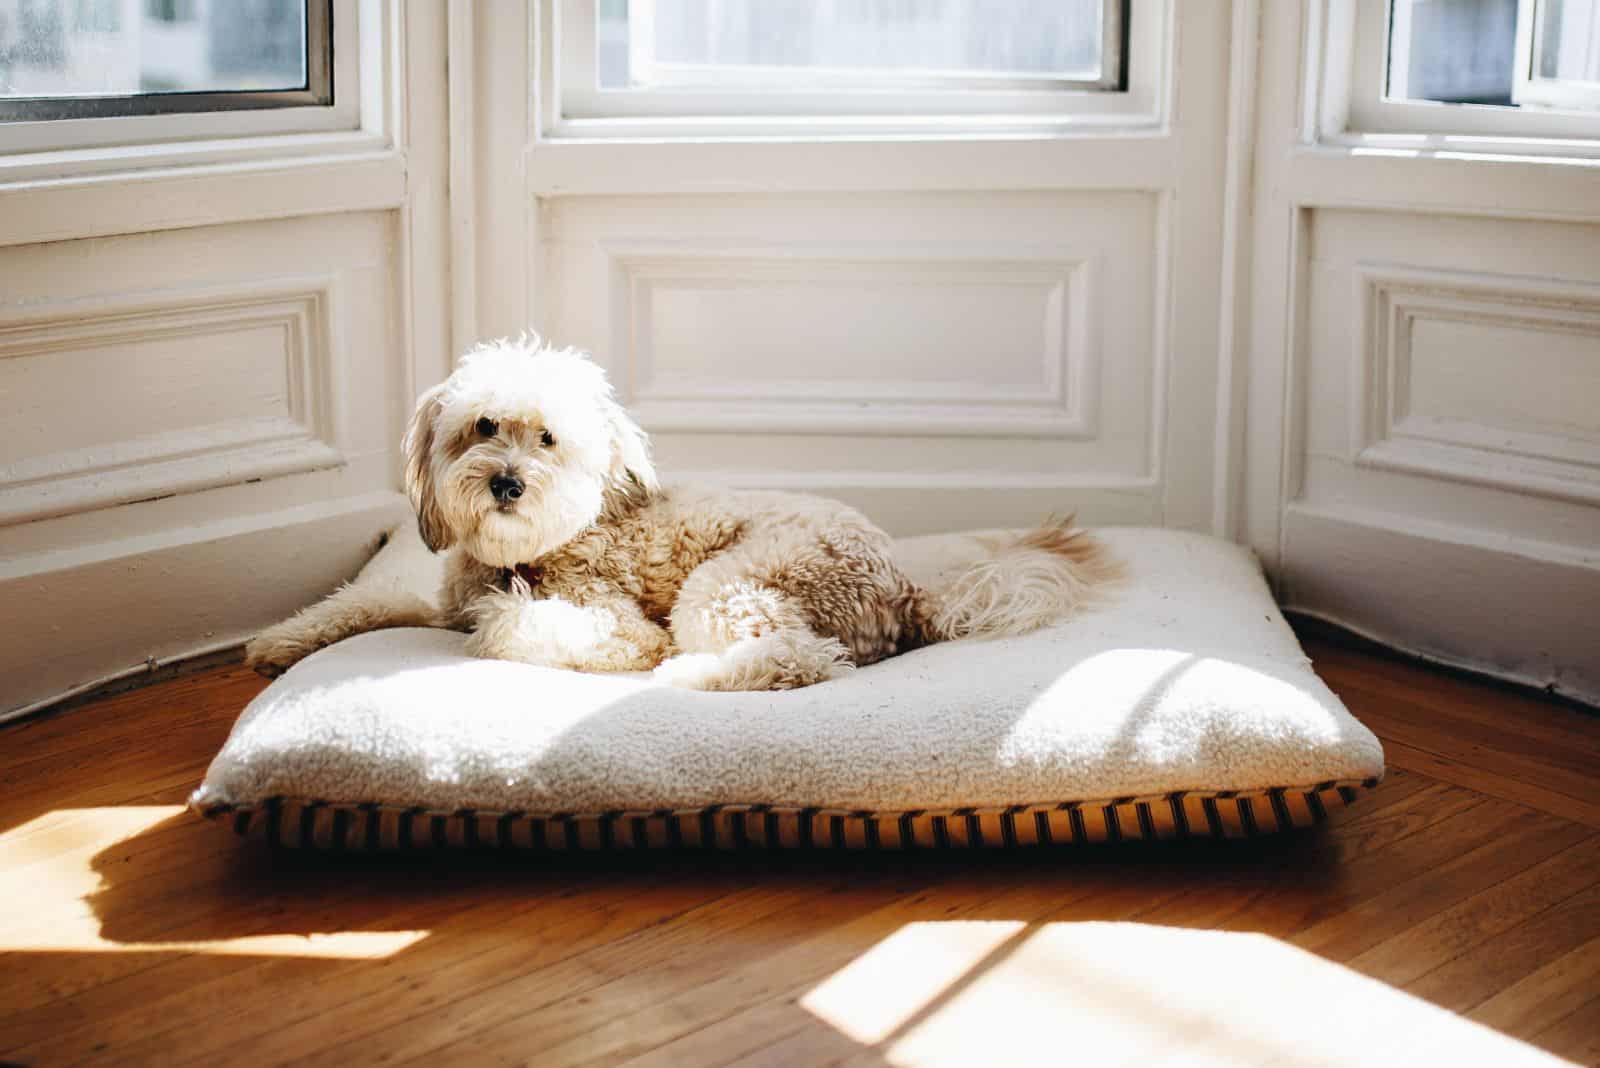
{"x":79,"y":618}
{"x":1526,"y":618}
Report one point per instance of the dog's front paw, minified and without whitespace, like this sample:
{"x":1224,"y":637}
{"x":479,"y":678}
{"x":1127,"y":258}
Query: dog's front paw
{"x":782,"y":661}
{"x":557,"y":633}
{"x":278,"y":648}
{"x":552,"y":632}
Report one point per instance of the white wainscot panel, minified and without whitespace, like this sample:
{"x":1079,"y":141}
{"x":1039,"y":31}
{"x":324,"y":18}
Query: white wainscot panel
{"x":1479,"y":378}
{"x":836,"y":340}
{"x":939,"y":360}
{"x":124,"y":398}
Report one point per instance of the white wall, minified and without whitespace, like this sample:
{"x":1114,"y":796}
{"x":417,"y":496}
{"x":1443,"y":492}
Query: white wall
{"x":204,"y":372}
{"x":945,"y":332}
{"x":1377,"y":368}
{"x":1424,"y":452}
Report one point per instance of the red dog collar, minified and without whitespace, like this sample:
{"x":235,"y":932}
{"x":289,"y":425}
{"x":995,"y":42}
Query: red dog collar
{"x":532,"y":574}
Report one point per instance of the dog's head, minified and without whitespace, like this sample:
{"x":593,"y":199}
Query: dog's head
{"x":518,"y":451}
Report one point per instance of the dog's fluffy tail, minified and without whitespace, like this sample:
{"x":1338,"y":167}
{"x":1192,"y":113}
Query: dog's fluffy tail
{"x":1026,"y":582}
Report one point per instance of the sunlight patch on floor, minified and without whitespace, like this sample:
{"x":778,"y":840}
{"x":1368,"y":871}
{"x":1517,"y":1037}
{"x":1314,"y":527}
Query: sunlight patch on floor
{"x":1127,"y":993}
{"x":885,"y":987}
{"x":330,"y":945}
{"x":58,"y":861}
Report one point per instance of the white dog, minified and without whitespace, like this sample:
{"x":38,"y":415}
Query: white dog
{"x":566,"y":552}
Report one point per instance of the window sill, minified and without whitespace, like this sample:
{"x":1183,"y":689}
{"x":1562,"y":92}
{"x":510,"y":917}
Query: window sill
{"x":1362,"y":174}
{"x":59,"y":196}
{"x":1467,"y":147}
{"x":1123,"y":156}
{"x":67,"y":164}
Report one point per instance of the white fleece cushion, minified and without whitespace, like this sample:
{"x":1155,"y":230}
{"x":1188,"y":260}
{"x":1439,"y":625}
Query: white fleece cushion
{"x":1186,"y":680}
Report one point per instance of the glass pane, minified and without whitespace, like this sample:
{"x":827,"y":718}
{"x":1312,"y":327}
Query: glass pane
{"x":1453,"y":51}
{"x":74,"y":48}
{"x":1567,"y":47}
{"x":842,"y":43}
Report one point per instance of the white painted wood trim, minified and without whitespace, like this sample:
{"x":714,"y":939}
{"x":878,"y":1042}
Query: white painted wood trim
{"x":1189,"y":142}
{"x":170,"y":582}
{"x":76,"y":146}
{"x":461,"y":62}
{"x":1525,"y":615}
{"x":307,"y":439}
{"x":1116,"y":161}
{"x":141,"y":586}
{"x":1356,"y":36}
{"x":1458,"y":183}
{"x":506,"y":55}
{"x":228,"y":166}
{"x":1233,"y":327}
{"x":1070,"y":368}
{"x":1389,"y":553}
{"x":571,"y":111}
{"x":1385,"y":435}
{"x":146,"y":201}
{"x":1191,"y":286}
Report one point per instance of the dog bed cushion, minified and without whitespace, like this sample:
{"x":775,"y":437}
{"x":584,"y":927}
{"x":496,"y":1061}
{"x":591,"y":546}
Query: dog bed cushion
{"x":1181,"y":706}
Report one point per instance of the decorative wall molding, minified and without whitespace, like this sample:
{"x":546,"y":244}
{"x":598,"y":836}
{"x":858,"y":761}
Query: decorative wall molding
{"x":975,"y":482}
{"x":304,"y":437}
{"x":1389,"y":432}
{"x":248,"y":307}
{"x":1060,"y":404}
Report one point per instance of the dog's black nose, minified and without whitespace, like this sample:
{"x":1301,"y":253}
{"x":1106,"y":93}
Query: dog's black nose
{"x":505,"y":487}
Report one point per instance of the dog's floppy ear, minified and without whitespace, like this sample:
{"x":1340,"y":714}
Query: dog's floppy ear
{"x":418,"y":447}
{"x":630,"y":451}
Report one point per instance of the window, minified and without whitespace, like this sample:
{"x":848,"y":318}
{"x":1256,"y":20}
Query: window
{"x":1564,"y":45}
{"x":1452,"y":52}
{"x":74,"y":59}
{"x":860,"y":64}
{"x":718,"y":44}
{"x":1490,"y":68}
{"x":1496,"y":52}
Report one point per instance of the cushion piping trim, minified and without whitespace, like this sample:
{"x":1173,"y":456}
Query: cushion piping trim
{"x":1219,"y":814}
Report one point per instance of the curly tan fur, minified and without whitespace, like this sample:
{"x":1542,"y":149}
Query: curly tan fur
{"x":1027,"y":582}
{"x":592,"y":566}
{"x":350,"y":609}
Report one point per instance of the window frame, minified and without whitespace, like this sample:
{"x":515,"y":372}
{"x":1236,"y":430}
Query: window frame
{"x":317,"y":92}
{"x":68,"y":124}
{"x":760,"y":88}
{"x":572,"y":108}
{"x":1356,"y":108}
{"x":1546,"y":92}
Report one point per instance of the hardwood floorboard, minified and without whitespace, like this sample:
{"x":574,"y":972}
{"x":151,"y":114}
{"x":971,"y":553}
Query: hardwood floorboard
{"x":269,"y":1006}
{"x":1575,"y":1037}
{"x":1452,"y":696}
{"x":1470,"y":868}
{"x":1395,"y":814}
{"x":1474,"y":978}
{"x":1468,"y":883}
{"x":1493,"y":783}
{"x":1488,"y":737}
{"x":566,"y":979}
{"x":663,"y":1007}
{"x":1446,"y":934}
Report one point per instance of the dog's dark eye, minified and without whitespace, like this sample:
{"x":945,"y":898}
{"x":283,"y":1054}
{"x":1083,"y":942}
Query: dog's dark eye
{"x":546,"y":438}
{"x":488,"y":427}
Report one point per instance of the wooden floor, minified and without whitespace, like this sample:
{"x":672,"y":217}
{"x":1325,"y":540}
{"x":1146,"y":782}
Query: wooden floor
{"x":1451,"y":918}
